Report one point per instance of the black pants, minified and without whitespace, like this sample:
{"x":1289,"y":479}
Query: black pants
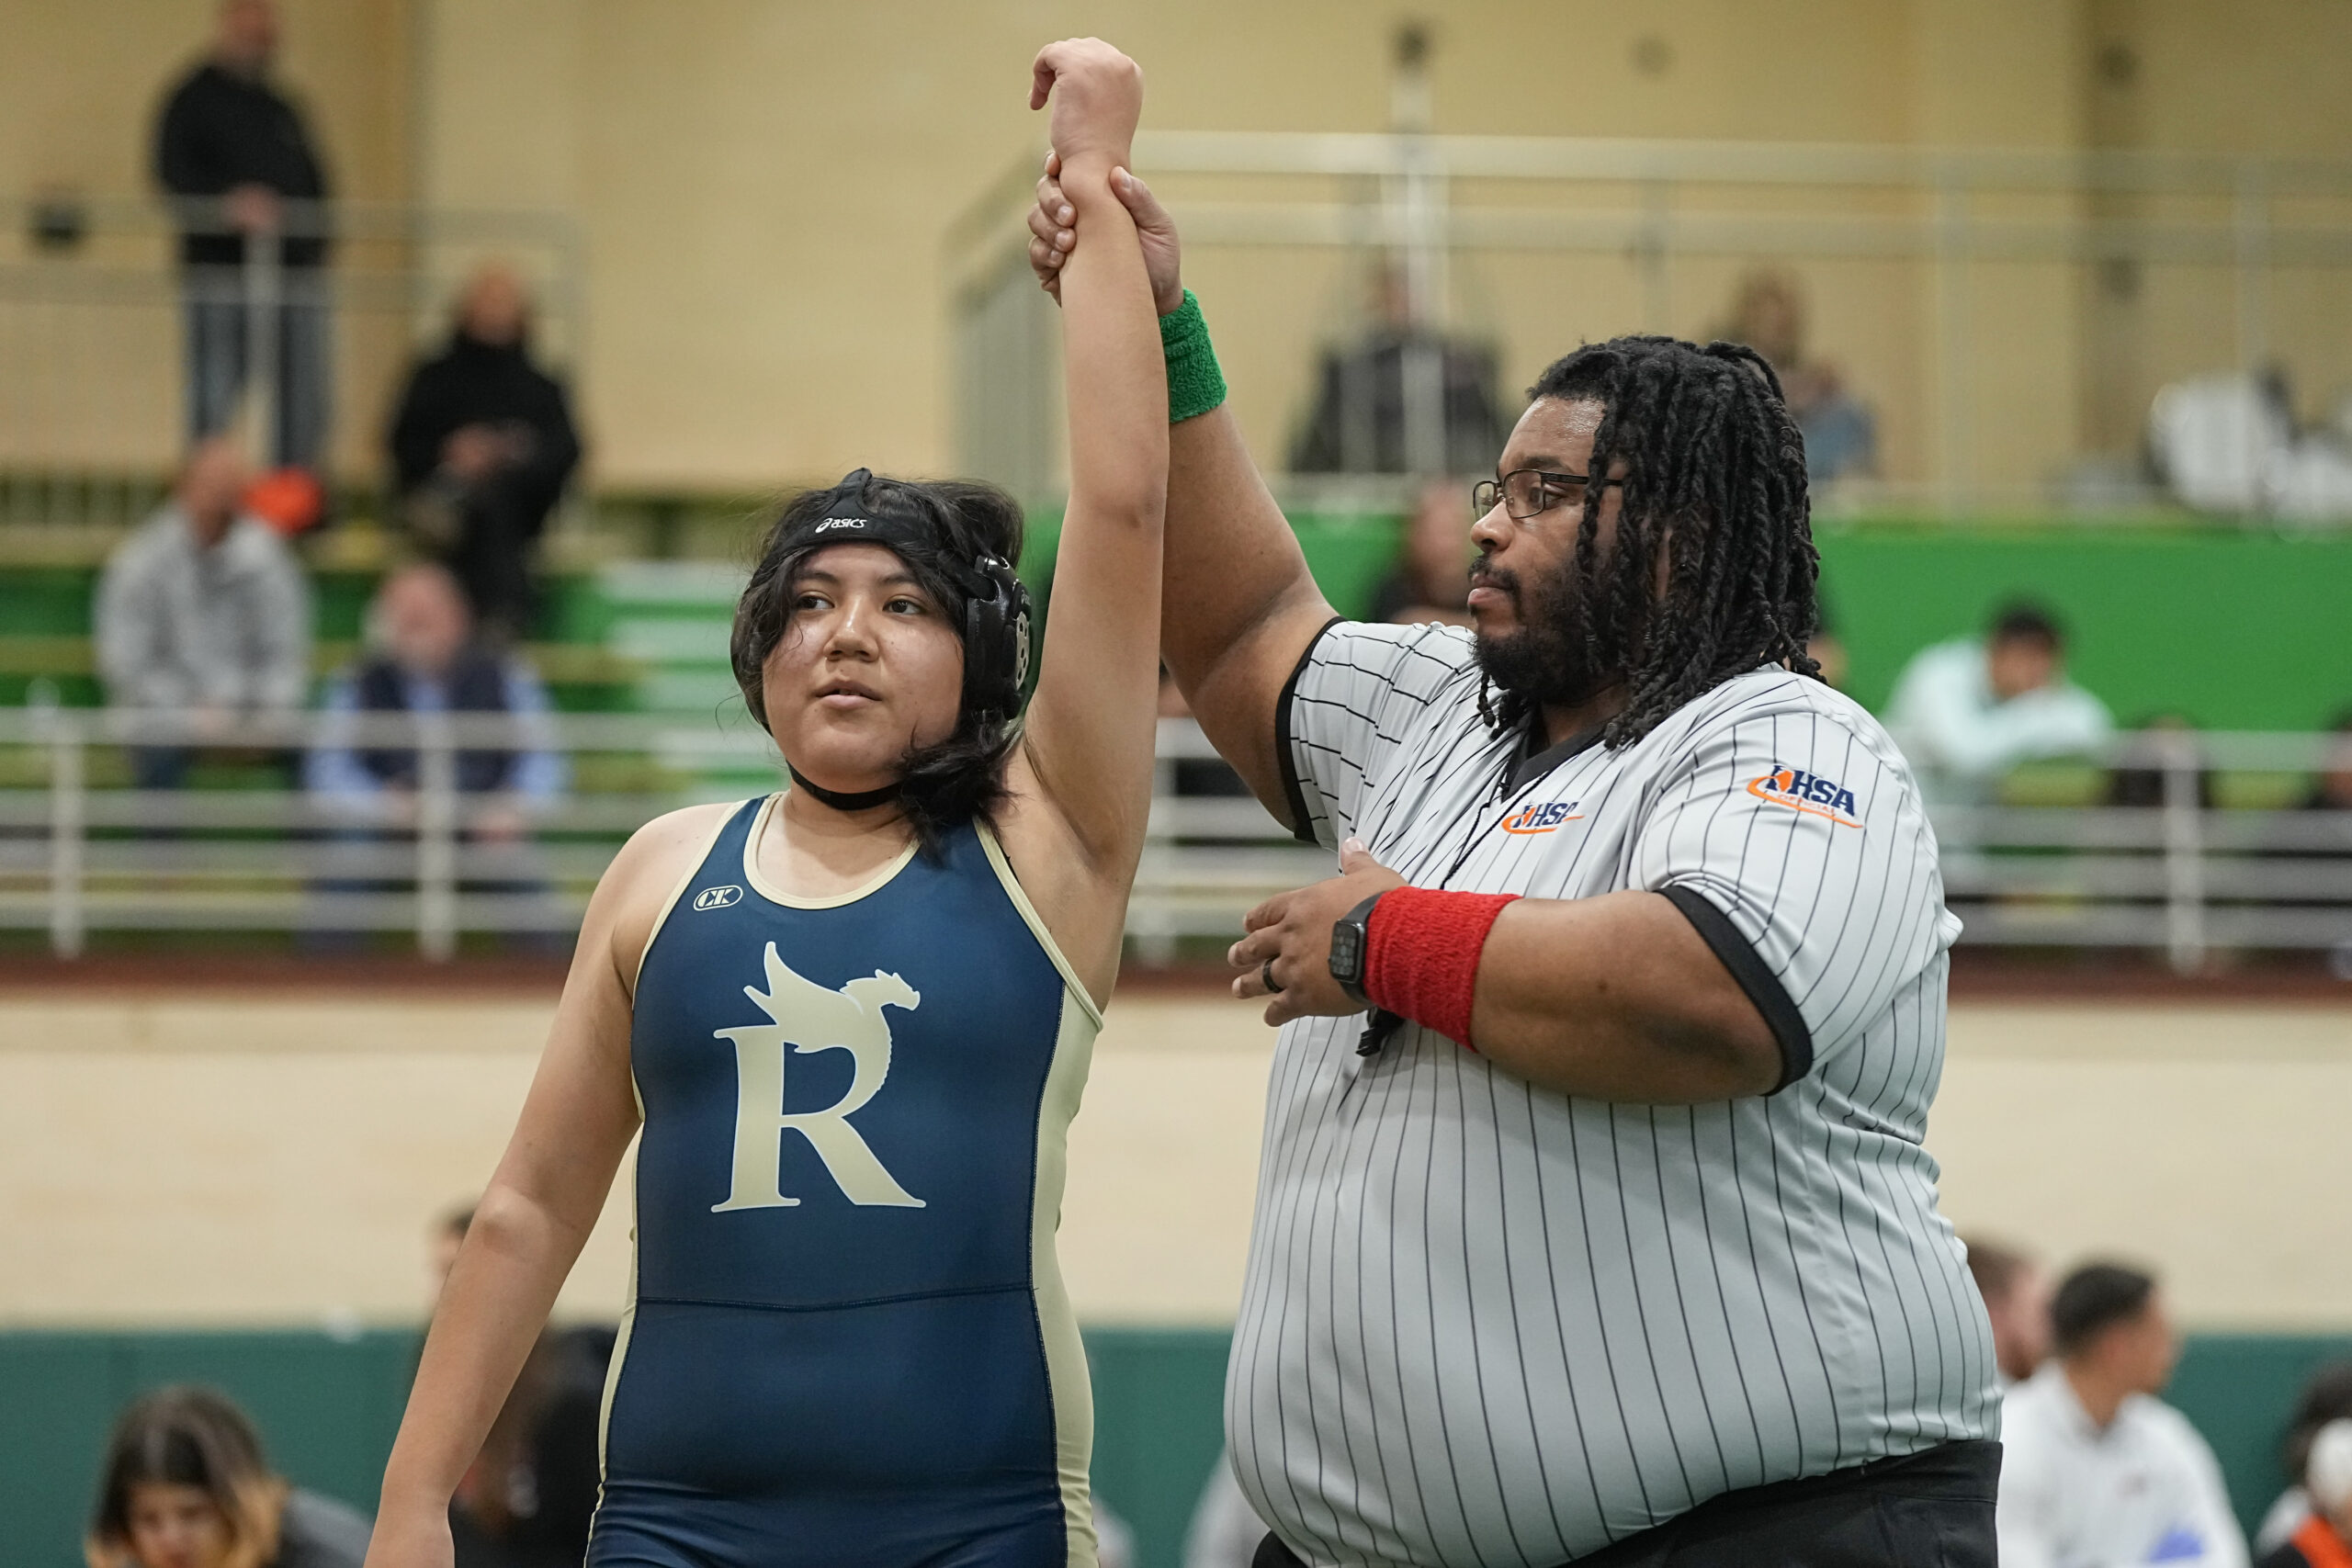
{"x":1931,"y":1509}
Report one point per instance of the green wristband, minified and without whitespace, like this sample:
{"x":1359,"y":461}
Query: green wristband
{"x":1195,"y":383}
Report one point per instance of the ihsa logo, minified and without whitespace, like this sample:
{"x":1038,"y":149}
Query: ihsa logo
{"x":1542,"y":817}
{"x":1808,"y":793}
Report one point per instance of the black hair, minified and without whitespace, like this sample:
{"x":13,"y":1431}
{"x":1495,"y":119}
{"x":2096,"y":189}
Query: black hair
{"x":1995,"y":1269}
{"x":2326,"y":1396}
{"x":943,"y":785}
{"x":2022,"y":620}
{"x":2095,"y":1298}
{"x":188,"y":1435}
{"x":1712,"y":457}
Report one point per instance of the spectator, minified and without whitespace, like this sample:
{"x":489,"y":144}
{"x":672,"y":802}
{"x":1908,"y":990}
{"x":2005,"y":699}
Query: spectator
{"x":2326,"y":1397}
{"x":1225,"y":1530}
{"x":1403,"y":399}
{"x":1840,"y":435}
{"x":203,"y":611}
{"x":2095,"y":1469}
{"x":1965,"y":712}
{"x":481,"y":446}
{"x":2331,"y":791}
{"x":428,"y":661}
{"x":530,"y":1495}
{"x":1432,"y":578}
{"x":234,"y":152}
{"x":2142,"y":782}
{"x":2017,"y":1299}
{"x":2323,"y":1539}
{"x":185,"y":1487}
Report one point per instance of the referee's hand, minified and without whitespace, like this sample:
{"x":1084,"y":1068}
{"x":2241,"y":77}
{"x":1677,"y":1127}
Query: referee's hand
{"x":1294,"y":931}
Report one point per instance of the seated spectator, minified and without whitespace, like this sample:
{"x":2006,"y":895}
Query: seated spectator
{"x":2323,"y":1539}
{"x":1965,"y":712}
{"x":2095,"y":1468}
{"x":2141,"y":781}
{"x":1840,"y":433}
{"x":1431,"y":579}
{"x":2326,"y":1397}
{"x":1404,"y":399}
{"x":527,"y":1500}
{"x":202,"y":612}
{"x":2331,"y":791}
{"x":184,"y":1486}
{"x":481,"y":446}
{"x":2017,"y":1300}
{"x":426,"y":659}
{"x":1224,"y":1531}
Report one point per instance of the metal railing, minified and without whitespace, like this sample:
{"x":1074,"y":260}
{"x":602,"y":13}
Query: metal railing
{"x":91,"y":326}
{"x":78,"y":855}
{"x":1925,"y":265}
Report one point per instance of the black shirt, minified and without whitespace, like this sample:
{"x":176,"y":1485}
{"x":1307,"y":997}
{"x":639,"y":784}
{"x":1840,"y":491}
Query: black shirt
{"x":220,"y":130}
{"x":472,"y":382}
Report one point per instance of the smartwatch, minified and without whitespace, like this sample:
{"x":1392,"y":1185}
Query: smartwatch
{"x":1351,"y":949}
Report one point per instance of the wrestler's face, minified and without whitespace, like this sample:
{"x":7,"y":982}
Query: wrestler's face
{"x":1525,"y":598}
{"x":868,"y":668}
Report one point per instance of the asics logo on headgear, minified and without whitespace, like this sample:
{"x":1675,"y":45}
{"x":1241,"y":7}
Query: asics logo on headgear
{"x":831,"y":523}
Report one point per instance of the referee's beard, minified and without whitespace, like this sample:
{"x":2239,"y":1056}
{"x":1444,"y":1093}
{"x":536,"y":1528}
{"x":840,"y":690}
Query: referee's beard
{"x":1548,"y":660}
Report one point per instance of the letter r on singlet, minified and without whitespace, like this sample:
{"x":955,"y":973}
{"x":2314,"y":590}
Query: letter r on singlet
{"x":809,"y":1018}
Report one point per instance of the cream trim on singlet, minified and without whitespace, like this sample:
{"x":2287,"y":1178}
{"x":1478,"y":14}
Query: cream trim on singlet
{"x":1066,"y":1379}
{"x":775,"y":895}
{"x":1037,"y":923}
{"x":629,"y":1308}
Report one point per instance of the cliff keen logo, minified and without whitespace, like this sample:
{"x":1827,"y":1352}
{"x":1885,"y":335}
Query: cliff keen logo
{"x":1542,"y":817}
{"x":830,"y":523}
{"x":1808,"y":793}
{"x":717,"y":898}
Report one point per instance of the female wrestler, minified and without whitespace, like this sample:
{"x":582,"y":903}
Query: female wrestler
{"x":853,"y":1019}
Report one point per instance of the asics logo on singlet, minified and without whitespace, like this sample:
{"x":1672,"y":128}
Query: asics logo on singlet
{"x":830,"y":523}
{"x":809,"y":1018}
{"x":718,"y":898}
{"x":1808,"y":793}
{"x":1542,"y":817}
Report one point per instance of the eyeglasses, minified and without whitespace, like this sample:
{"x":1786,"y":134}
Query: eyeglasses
{"x":1525,"y":492}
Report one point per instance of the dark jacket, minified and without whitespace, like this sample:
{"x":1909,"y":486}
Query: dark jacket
{"x":472,"y":382}
{"x":1358,"y":422}
{"x":218,"y":131}
{"x":475,"y":684}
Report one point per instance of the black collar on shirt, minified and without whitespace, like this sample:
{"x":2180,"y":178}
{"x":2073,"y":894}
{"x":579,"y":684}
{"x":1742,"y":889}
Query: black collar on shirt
{"x":1533,"y":764}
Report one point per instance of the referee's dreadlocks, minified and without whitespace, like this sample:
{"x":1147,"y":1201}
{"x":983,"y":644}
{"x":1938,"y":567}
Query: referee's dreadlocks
{"x":1713,"y":462}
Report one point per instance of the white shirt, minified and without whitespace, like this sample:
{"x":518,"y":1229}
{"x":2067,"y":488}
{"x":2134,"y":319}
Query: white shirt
{"x":2147,"y":1489}
{"x":1961,"y":737}
{"x":179,"y":627}
{"x":1491,"y":1325}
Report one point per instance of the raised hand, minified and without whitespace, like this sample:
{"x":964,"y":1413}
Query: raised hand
{"x":1097,"y":94}
{"x":1053,"y":234}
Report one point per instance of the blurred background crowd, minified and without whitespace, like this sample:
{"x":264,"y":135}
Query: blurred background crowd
{"x":390,"y":389}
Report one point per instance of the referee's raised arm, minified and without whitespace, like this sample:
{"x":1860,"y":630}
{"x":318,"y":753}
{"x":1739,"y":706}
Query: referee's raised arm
{"x":1242,"y":608}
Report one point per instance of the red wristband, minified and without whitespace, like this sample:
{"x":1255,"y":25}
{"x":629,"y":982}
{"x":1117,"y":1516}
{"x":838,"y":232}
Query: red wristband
{"x":1421,"y":955}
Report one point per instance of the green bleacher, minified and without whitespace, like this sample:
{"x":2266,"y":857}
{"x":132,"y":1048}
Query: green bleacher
{"x":2230,"y":627}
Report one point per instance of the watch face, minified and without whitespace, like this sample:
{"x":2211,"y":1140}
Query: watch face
{"x":1347,"y":953}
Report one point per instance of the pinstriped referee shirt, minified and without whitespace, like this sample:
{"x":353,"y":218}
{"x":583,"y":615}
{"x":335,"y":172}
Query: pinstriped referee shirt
{"x":1490,"y":1325}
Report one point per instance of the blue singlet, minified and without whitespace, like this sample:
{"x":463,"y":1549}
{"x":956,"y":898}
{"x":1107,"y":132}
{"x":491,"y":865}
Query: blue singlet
{"x":848,"y":1343}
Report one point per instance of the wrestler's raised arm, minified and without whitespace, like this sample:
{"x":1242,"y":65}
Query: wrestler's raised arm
{"x":1240,"y":606}
{"x":1081,"y":780}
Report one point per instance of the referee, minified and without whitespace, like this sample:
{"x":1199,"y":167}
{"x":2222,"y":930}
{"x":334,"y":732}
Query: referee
{"x":1594,"y":1222}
